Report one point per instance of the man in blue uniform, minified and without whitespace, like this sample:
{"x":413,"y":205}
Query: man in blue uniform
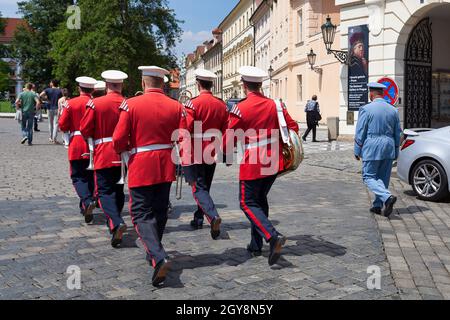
{"x":377,"y":143}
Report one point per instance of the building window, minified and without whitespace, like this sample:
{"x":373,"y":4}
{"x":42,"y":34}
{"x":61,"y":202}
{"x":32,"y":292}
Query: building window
{"x":299,"y":88}
{"x":300,"y":26}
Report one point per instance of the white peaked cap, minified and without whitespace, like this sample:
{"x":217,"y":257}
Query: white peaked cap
{"x":153,"y":71}
{"x":166,"y":80}
{"x":252,"y":74}
{"x":114,"y":76}
{"x":86,"y":82}
{"x":206,"y":75}
{"x":101,"y":85}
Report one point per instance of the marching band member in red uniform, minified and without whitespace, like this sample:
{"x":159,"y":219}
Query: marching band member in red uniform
{"x":206,"y":112}
{"x":99,"y":121}
{"x":258,"y":115}
{"x":145,"y":129}
{"x":82,"y":179}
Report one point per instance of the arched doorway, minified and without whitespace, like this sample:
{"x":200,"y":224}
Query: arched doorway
{"x":418,"y":76}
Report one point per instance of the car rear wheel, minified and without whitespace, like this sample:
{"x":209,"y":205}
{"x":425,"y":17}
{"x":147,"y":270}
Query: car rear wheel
{"x":429,"y":181}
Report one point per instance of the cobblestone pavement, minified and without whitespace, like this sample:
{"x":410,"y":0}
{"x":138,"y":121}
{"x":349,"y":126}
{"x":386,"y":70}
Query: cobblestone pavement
{"x":332,"y":238}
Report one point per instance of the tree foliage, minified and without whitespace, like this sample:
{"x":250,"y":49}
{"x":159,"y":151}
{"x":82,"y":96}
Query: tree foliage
{"x":31,"y":41}
{"x":115,"y":34}
{"x":4,"y":67}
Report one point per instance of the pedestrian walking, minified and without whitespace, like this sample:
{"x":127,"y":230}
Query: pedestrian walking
{"x":212,"y":114}
{"x":145,"y":128}
{"x":52,"y":95}
{"x":38,"y":113}
{"x":258,"y":115}
{"x":377,"y":143}
{"x":82,"y":178}
{"x":313,"y":118}
{"x":99,"y":121}
{"x":28,"y":102}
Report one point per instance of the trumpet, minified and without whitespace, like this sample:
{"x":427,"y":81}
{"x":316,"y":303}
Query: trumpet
{"x":91,"y":154}
{"x":184,"y":97}
{"x":125,"y":157}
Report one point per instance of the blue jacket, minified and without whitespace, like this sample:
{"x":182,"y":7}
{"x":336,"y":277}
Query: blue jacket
{"x":378,"y":132}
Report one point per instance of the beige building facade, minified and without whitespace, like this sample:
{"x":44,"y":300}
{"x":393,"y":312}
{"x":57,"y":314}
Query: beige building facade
{"x":238,"y":46}
{"x":296,"y":29}
{"x":213,"y":61}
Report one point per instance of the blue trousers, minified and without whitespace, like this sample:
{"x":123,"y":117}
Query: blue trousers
{"x":377,"y":176}
{"x":27,"y":126}
{"x":83,"y":182}
{"x":203,"y":176}
{"x":110,"y":195}
{"x":148,"y":209}
{"x":253,"y":201}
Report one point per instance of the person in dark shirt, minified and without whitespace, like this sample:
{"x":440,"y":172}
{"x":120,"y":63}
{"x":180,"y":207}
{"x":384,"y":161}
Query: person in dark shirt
{"x":52,"y":95}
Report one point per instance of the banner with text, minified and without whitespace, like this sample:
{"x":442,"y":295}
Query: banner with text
{"x":358,"y":70}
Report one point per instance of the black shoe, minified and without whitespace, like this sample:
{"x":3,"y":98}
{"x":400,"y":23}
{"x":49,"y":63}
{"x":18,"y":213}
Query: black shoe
{"x":389,"y":206}
{"x":197,"y":224}
{"x":23,"y":140}
{"x":215,"y":228}
{"x":37,"y":130}
{"x":376,"y":211}
{"x":117,"y":236}
{"x":304,"y":139}
{"x":88,"y":213}
{"x":315,"y":141}
{"x":254,"y":253}
{"x":160,"y":273}
{"x":276,"y":244}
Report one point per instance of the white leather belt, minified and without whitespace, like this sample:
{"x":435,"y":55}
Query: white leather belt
{"x":153,"y":147}
{"x":75,"y":133}
{"x":103,"y":140}
{"x":205,"y":136}
{"x":260,"y":143}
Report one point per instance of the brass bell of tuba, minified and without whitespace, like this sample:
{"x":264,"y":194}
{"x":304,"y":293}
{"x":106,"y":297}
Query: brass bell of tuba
{"x":293,"y":154}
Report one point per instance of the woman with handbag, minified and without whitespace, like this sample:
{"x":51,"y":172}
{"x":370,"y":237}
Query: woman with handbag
{"x":313,"y":117}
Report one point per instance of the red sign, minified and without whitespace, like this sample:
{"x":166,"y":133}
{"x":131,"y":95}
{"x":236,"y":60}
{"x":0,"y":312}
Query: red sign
{"x":391,"y":93}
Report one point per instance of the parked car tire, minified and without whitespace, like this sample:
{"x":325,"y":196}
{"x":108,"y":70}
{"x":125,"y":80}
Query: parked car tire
{"x":429,"y":180}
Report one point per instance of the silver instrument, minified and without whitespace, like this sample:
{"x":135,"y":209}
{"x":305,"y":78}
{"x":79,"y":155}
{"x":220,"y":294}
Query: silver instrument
{"x":184,"y":97}
{"x":66,"y":139}
{"x":91,"y":154}
{"x":125,"y":157}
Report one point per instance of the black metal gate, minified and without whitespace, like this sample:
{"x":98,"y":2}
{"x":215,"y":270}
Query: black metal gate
{"x":418,"y":76}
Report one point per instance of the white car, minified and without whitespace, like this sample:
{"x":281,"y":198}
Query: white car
{"x":424,"y":162}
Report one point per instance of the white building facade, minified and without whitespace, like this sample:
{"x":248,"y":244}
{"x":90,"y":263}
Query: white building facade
{"x":408,"y":42}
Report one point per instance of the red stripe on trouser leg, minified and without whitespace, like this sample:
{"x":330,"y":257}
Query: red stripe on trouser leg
{"x":194,"y":190}
{"x":251,"y":215}
{"x":137,"y":230}
{"x":110,"y":222}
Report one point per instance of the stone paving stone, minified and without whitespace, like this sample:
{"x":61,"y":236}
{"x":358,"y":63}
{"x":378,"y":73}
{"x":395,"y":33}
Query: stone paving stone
{"x":332,"y":239}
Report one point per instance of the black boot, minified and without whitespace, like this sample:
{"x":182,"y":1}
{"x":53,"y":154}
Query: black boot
{"x":276,"y":244}
{"x":160,"y":273}
{"x":389,"y":206}
{"x":117,"y":235}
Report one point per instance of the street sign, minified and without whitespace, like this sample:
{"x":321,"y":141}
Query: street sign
{"x":391,"y":93}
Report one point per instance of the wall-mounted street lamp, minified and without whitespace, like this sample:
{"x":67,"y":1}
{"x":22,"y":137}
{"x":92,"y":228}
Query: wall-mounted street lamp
{"x":328,"y":33}
{"x":312,"y":61}
{"x":270,"y":71}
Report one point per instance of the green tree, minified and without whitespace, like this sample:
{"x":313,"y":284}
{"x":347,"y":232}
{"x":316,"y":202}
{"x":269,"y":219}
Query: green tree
{"x":4,"y":67}
{"x":31,"y":41}
{"x":115,"y":34}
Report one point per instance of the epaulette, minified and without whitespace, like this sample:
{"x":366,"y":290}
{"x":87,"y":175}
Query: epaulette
{"x":124,"y":106}
{"x":91,"y":104}
{"x":188,"y":104}
{"x":66,"y":104}
{"x":236,"y":111}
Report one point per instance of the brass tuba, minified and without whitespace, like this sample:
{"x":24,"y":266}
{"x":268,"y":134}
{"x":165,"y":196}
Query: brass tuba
{"x":293,"y":154}
{"x":184,"y":97}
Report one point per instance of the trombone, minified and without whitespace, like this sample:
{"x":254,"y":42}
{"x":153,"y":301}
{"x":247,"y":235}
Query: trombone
{"x":184,"y":97}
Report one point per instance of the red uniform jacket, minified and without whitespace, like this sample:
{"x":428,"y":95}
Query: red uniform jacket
{"x":149,"y":120}
{"x":99,"y":121}
{"x":69,"y":121}
{"x":212,"y":113}
{"x":253,"y":114}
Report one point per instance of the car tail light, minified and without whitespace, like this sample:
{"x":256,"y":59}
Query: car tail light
{"x":407,"y":143}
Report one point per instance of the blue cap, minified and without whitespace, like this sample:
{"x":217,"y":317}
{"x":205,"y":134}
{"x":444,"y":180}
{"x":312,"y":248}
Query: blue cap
{"x":376,"y":85}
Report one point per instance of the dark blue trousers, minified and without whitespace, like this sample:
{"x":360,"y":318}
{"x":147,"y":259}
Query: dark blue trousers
{"x":83,"y":182}
{"x":203,"y":175}
{"x":253,"y":201}
{"x":110,"y":195}
{"x":148,"y":209}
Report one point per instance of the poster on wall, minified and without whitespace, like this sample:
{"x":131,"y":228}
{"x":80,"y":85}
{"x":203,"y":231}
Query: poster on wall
{"x":358,"y":70}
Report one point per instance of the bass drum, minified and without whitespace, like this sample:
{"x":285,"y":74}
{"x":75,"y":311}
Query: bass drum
{"x":293,"y":155}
